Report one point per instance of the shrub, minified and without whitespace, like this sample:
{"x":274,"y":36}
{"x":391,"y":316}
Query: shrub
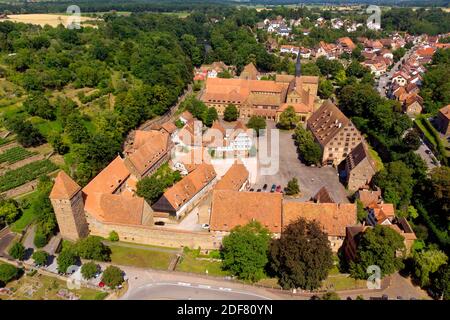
{"x":88,"y":270}
{"x":40,"y":258}
{"x":8,"y":272}
{"x":40,"y":240}
{"x":112,"y":277}
{"x":113,"y":236}
{"x":17,"y":251}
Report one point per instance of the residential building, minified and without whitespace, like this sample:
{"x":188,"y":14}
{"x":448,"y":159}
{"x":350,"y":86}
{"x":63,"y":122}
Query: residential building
{"x":332,"y":217}
{"x":236,"y":178}
{"x":186,"y":193}
{"x":334,"y":132}
{"x":359,"y":168}
{"x":323,"y":196}
{"x":443,"y":120}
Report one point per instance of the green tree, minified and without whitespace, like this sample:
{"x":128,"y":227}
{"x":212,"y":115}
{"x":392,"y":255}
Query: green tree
{"x":93,"y":248}
{"x":331,"y":296}
{"x":89,"y":269}
{"x":412,"y":140}
{"x":40,"y":258}
{"x":309,"y":150}
{"x":37,"y":104}
{"x":211,"y":116}
{"x":326,"y":89}
{"x":231,"y":113}
{"x":244,"y":251}
{"x":397,"y":184}
{"x":302,"y":257}
{"x":288,"y":119}
{"x":66,"y":258}
{"x":75,"y":129}
{"x":40,"y":239}
{"x":17,"y":251}
{"x":361,"y":212}
{"x":113,"y":236}
{"x":440,"y":282}
{"x":378,"y":246}
{"x":8,"y":272}
{"x":256,"y":123}
{"x":9,"y":211}
{"x":112,"y":277}
{"x":292,"y":187}
{"x":427,"y":262}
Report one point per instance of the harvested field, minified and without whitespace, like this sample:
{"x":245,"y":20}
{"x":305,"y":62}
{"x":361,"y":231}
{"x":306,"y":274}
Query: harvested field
{"x":52,"y":20}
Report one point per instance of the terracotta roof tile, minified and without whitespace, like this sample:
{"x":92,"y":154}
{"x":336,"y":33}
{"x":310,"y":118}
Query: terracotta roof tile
{"x":323,"y":196}
{"x":232,"y":208}
{"x":326,"y":122}
{"x":333,"y":217}
{"x":64,"y":188}
{"x":445,"y":111}
{"x":109,"y":179}
{"x":234,"y":178}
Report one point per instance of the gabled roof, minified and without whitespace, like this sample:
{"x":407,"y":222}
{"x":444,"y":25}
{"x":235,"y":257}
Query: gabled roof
{"x":333,"y":217}
{"x":185,"y":189}
{"x":326,"y":122}
{"x":357,"y":155}
{"x":151,"y":147}
{"x":64,"y":188}
{"x":109,"y":179}
{"x":323,"y":196}
{"x":445,"y":111}
{"x":232,"y":208}
{"x":234,"y":178}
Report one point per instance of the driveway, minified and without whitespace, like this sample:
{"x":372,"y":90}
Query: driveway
{"x":311,"y":179}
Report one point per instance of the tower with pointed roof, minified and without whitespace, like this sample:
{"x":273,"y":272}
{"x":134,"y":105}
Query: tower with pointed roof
{"x":67,"y":200}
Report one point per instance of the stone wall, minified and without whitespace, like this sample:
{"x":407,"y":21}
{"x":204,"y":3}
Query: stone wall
{"x":157,"y":236}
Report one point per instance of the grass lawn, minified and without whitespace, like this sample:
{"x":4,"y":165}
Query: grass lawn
{"x":28,"y":215}
{"x":40,"y":287}
{"x":140,"y":257}
{"x":378,"y":162}
{"x":191,"y":264}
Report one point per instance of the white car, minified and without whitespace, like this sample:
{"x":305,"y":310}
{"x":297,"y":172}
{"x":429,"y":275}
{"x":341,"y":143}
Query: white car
{"x":205,"y":226}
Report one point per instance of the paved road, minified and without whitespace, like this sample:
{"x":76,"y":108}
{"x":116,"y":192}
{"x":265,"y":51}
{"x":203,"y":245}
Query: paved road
{"x":187,"y":291}
{"x":384,"y":79}
{"x":425,"y":153}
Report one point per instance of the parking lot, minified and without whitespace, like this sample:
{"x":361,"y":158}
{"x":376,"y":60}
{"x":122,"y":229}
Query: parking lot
{"x":310,"y":179}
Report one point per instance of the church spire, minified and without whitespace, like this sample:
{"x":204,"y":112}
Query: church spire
{"x":298,"y":66}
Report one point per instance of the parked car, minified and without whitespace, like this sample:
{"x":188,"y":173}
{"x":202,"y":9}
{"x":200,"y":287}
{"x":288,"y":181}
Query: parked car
{"x":427,"y":151}
{"x":205,"y":226}
{"x":252,"y":189}
{"x":278,"y":188}
{"x":265,"y":187}
{"x":273,"y":188}
{"x":259,"y":190}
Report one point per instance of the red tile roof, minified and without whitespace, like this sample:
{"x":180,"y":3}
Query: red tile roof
{"x":64,"y":188}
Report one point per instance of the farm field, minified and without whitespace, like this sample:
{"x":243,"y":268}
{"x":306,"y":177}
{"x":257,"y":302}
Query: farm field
{"x":29,"y":172}
{"x":15,"y":154}
{"x":52,"y":20}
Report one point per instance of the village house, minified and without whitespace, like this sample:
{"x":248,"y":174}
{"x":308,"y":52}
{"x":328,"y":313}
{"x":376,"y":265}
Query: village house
{"x":346,"y":44}
{"x":359,"y":168}
{"x":443,"y":120}
{"x":236,"y":178}
{"x":413,"y":104}
{"x":334,"y":132}
{"x":332,"y":217}
{"x":186,"y":193}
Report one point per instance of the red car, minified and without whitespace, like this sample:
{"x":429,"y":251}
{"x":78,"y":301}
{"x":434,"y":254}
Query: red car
{"x":101,"y":284}
{"x":278,"y":189}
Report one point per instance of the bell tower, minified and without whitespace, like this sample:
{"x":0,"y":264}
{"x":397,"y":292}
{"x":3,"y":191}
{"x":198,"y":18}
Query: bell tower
{"x":68,"y":204}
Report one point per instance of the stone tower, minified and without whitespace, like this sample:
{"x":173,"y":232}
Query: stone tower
{"x":68,"y":204}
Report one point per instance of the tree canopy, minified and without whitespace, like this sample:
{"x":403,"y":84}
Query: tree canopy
{"x":244,"y":251}
{"x":302,"y":257}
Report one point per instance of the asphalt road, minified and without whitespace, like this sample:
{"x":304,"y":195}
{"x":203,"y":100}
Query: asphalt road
{"x":187,"y":291}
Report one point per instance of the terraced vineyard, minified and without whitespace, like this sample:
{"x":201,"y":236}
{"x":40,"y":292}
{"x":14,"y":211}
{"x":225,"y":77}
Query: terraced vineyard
{"x":14,"y":178}
{"x":15,"y":154}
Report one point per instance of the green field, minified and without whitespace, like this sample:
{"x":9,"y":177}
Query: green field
{"x":15,"y":154}
{"x":141,"y":258}
{"x":190,"y":263}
